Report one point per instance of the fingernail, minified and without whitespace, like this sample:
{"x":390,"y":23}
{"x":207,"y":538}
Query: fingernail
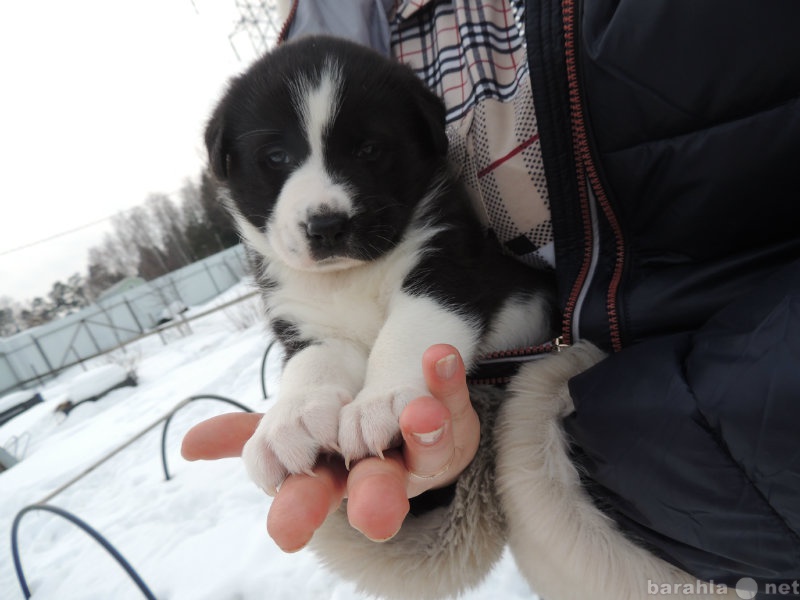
{"x":446,"y":367}
{"x":377,"y":540}
{"x":430,"y":438}
{"x":292,"y":550}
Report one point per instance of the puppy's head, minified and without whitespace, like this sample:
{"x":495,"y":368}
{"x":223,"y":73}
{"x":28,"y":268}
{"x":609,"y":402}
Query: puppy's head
{"x":326,"y":149}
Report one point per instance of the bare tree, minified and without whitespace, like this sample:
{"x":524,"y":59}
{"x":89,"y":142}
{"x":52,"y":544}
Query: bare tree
{"x":104,"y":271}
{"x":66,"y":298}
{"x":10,"y":321}
{"x":168,"y":221}
{"x":191,"y":204}
{"x":114,"y":256}
{"x":38,"y":312}
{"x":160,"y":236}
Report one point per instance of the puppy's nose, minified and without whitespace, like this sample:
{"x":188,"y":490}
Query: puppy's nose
{"x":327,"y":229}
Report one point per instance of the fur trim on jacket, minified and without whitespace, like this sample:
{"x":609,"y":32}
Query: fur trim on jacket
{"x":565,"y":547}
{"x":439,"y":553}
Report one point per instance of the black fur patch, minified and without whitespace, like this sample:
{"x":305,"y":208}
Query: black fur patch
{"x":289,"y":336}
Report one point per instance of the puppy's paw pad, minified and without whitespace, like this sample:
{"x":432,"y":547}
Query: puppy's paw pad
{"x":291,"y":435}
{"x":370,"y":424}
{"x":320,"y":415}
{"x":262,"y":465}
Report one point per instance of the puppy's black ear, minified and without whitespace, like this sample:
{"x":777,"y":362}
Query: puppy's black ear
{"x":433,"y":112}
{"x":215,"y":145}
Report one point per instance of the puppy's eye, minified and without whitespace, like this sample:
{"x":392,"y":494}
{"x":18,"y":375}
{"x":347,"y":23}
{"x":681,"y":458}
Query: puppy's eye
{"x":368,"y":151}
{"x":275,"y":157}
{"x":278,"y":158}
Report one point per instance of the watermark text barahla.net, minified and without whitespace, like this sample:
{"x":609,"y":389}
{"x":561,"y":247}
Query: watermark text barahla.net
{"x":693,"y":588}
{"x":746,"y":588}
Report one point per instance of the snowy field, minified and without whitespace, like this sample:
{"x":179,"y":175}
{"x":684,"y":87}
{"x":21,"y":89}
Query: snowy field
{"x":199,"y":536}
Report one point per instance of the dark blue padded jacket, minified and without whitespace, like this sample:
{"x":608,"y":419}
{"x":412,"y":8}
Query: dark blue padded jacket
{"x":671,"y":138}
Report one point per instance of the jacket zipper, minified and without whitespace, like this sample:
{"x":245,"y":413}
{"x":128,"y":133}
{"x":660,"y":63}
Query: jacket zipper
{"x":498,"y":368}
{"x":288,"y":22}
{"x":591,"y":193}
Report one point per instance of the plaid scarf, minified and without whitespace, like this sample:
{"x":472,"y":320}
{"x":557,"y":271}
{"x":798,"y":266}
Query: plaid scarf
{"x":473,"y":55}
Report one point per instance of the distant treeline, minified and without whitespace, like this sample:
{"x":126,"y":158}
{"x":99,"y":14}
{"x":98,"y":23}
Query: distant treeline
{"x":147,"y":241}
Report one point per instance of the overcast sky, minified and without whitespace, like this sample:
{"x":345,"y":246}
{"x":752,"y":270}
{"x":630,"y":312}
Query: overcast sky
{"x":103,"y":103}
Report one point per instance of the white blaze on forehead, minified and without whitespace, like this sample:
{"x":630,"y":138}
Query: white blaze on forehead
{"x":309,"y":188}
{"x":318,"y":102}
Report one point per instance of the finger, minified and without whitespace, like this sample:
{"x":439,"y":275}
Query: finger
{"x":445,"y":376}
{"x":441,"y":433}
{"x":222,"y":436}
{"x":377,"y":501}
{"x":429,"y":445}
{"x":302,"y":504}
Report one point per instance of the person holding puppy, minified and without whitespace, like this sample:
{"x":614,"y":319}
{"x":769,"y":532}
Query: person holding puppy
{"x":646,"y":151}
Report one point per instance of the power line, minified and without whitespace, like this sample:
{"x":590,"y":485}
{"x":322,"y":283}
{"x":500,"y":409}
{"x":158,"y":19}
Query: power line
{"x":55,"y":236}
{"x":67,"y":232}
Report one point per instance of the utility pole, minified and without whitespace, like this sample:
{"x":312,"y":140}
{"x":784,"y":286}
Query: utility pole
{"x":258,"y":20}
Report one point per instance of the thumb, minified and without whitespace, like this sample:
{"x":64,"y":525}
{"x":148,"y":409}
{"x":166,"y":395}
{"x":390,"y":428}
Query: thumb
{"x":441,"y":432}
{"x":445,"y":376}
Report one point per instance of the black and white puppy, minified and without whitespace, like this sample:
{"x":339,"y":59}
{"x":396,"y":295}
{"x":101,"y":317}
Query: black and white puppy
{"x":365,"y":245}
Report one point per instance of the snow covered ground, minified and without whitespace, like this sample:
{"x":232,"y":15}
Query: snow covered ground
{"x":199,"y":536}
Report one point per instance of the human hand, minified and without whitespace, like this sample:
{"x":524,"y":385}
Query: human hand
{"x":440,"y":437}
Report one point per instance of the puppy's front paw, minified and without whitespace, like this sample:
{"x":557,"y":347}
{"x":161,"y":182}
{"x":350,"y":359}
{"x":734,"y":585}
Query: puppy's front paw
{"x":292,"y":433}
{"x":370,"y":424}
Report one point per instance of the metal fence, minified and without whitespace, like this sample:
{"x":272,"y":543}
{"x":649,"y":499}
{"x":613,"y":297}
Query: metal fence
{"x":37,"y":354}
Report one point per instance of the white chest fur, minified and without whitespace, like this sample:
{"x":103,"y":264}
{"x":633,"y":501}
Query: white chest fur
{"x":350,"y":304}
